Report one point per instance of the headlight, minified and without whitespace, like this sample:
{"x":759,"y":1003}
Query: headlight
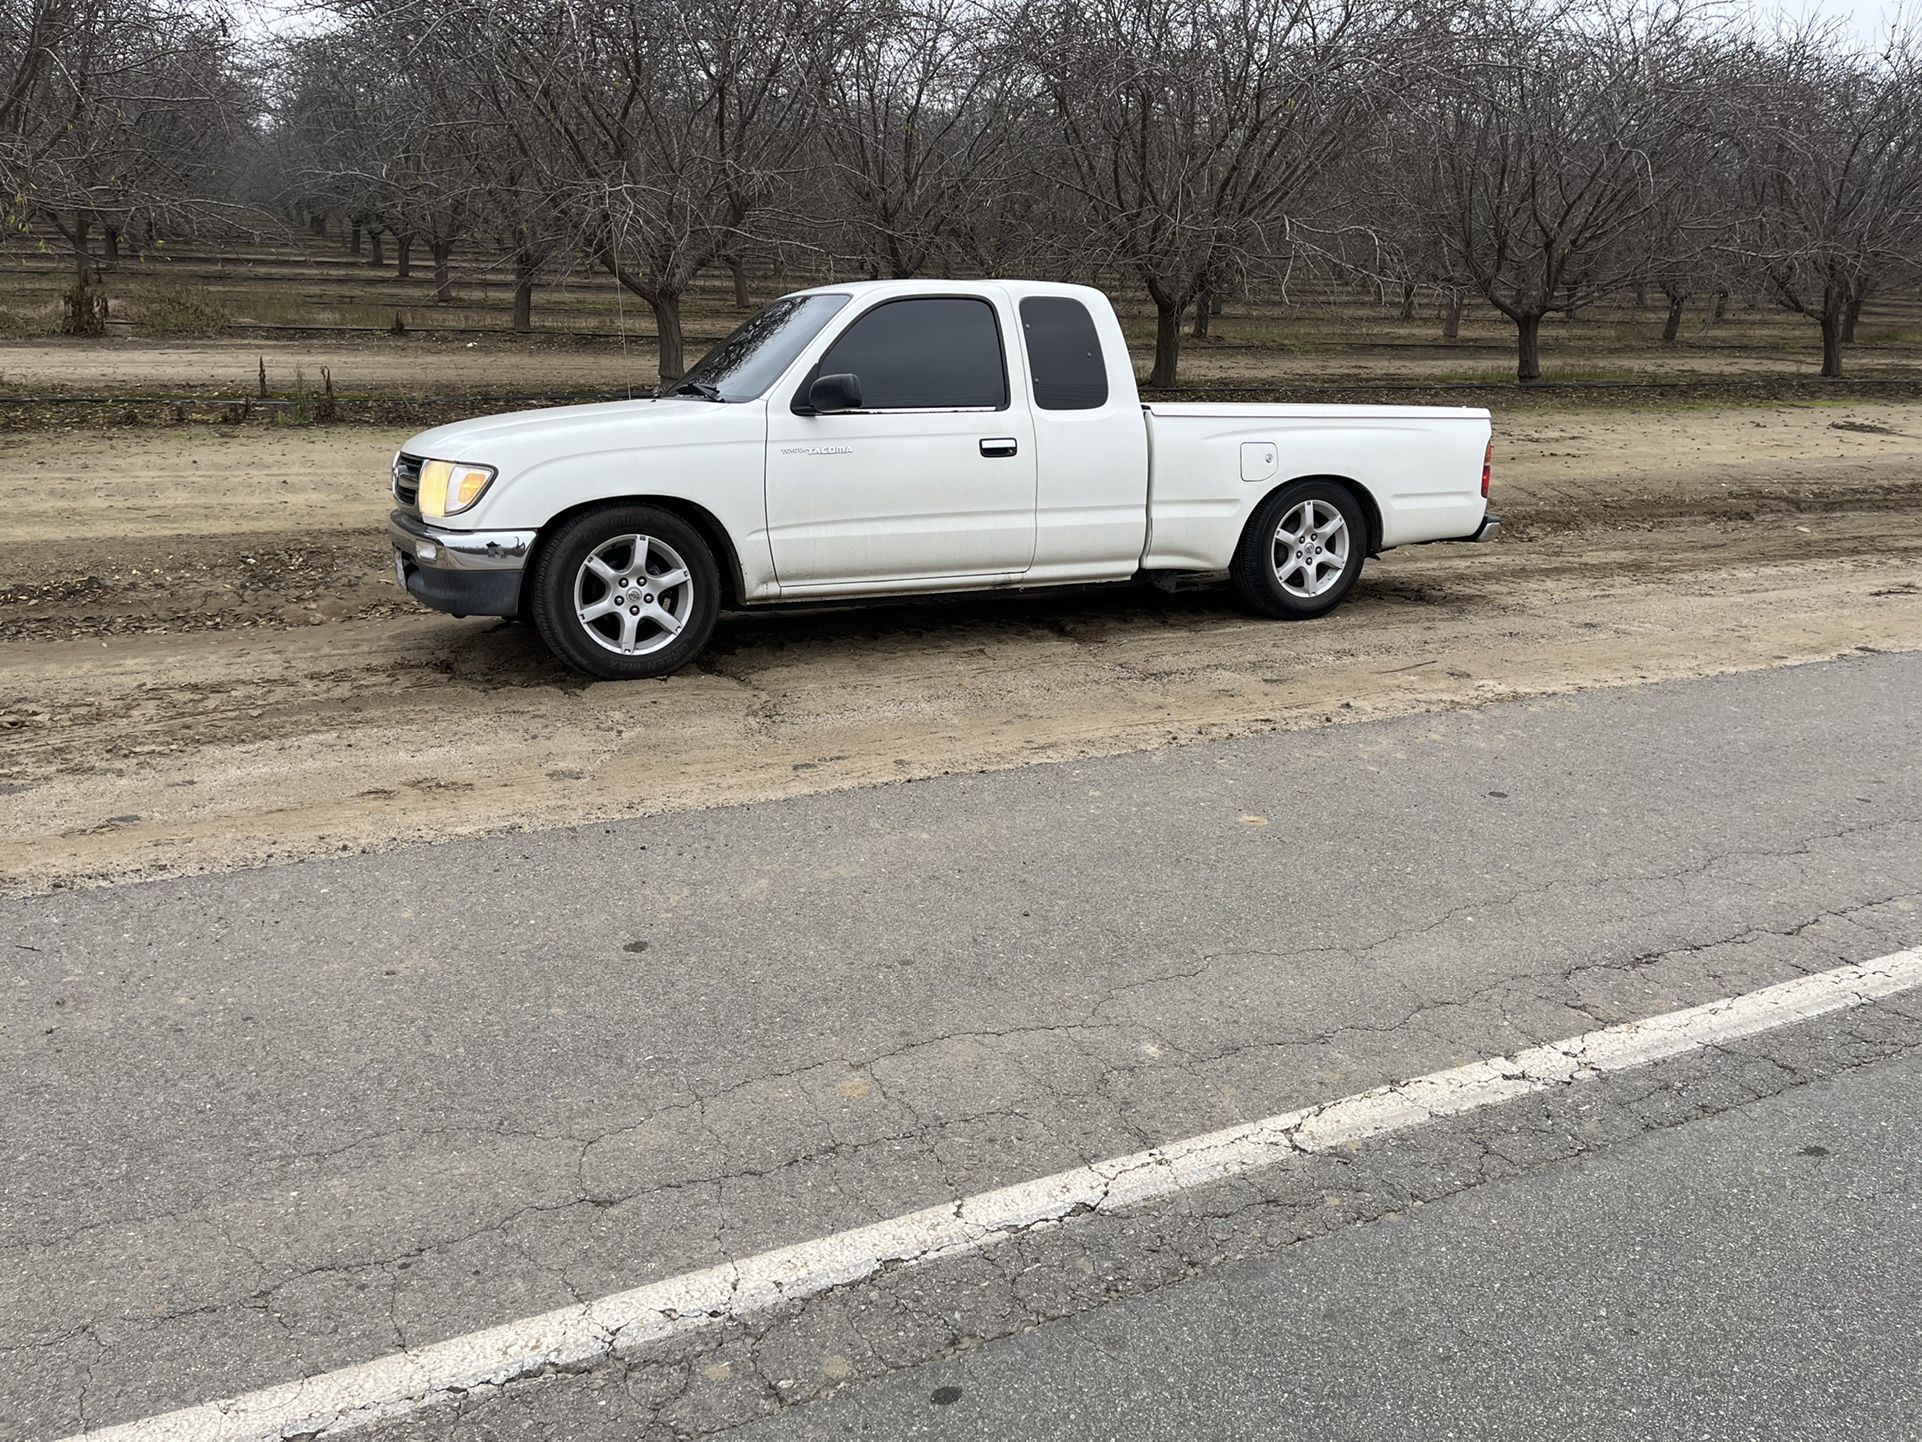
{"x":449,"y":487}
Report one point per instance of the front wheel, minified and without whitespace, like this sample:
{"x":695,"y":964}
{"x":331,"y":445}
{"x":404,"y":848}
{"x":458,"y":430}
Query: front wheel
{"x":1302,"y":551}
{"x":626,"y":593}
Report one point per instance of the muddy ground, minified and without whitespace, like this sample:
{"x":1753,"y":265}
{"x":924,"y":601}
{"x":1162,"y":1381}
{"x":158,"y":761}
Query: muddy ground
{"x":204,"y":663}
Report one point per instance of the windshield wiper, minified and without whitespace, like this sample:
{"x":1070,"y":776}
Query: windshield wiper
{"x":703,"y":389}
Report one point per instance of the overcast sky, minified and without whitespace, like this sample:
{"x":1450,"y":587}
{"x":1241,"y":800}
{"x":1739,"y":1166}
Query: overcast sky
{"x":1869,"y":19}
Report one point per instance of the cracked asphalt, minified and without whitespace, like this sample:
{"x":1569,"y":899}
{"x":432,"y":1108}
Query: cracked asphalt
{"x":283,"y":1120}
{"x":1754,"y":1275}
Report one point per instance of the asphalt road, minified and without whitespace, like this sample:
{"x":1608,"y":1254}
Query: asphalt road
{"x":1757,"y":1275}
{"x":284,"y":1120}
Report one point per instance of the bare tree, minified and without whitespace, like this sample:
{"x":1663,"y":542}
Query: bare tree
{"x":1541,"y":142}
{"x":330,"y":131}
{"x":1185,"y":129}
{"x":408,"y":117}
{"x":529,"y":172}
{"x":1682,"y":240}
{"x":916,"y":124}
{"x":1832,"y":175}
{"x":672,"y":122}
{"x":115,"y":110}
{"x":1386,"y":237}
{"x":31,"y":32}
{"x":388,"y":123}
{"x":1535,"y":153}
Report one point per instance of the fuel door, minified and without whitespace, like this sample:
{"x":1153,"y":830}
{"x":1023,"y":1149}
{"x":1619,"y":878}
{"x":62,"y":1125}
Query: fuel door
{"x":1259,"y":460}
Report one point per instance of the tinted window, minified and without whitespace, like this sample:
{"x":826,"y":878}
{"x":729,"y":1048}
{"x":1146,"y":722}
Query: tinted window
{"x":924,"y":353}
{"x":752,"y":359}
{"x":1064,"y":354}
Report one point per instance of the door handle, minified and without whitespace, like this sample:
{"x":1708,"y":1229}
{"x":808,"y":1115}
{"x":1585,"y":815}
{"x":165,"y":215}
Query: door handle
{"x":999,"y":446}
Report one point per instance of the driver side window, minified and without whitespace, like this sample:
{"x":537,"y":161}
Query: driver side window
{"x":928,"y":353}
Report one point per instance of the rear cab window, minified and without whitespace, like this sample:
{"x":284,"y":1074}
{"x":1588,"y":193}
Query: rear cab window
{"x":1064,"y":354}
{"x":923,"y":353}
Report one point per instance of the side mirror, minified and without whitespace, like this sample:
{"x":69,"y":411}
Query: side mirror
{"x":834,"y":393}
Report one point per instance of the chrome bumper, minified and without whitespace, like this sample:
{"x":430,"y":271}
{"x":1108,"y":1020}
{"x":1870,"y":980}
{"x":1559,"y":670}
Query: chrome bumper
{"x":464,"y":573}
{"x":458,"y":550}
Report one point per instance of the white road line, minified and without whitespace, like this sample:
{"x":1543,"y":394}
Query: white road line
{"x":335,"y":1403}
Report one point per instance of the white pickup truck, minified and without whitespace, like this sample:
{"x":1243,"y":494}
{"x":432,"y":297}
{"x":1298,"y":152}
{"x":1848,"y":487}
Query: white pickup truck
{"x":902,"y":437}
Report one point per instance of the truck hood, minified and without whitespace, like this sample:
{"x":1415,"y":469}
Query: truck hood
{"x":520,"y":440}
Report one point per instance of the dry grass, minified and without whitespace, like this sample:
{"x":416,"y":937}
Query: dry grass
{"x":177,"y":308}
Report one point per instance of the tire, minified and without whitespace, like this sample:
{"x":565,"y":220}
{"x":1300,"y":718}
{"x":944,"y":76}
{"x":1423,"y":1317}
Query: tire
{"x":582,"y":578}
{"x":1298,"y":583}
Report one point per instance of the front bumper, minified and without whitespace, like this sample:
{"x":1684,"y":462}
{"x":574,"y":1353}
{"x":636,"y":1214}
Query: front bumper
{"x":465,"y":573}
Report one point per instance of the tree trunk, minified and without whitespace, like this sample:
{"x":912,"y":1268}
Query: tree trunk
{"x":667,"y":324}
{"x":1452,"y":317}
{"x":1407,"y":301}
{"x":1204,"y":311}
{"x":353,"y":238}
{"x":112,"y":236}
{"x":1832,"y":344}
{"x":82,"y":260}
{"x":443,"y":278}
{"x":1528,"y":335}
{"x":1641,"y":294}
{"x":1857,"y":295}
{"x":1673,"y":325}
{"x":317,"y":224}
{"x":1167,"y":342}
{"x":524,"y":269}
{"x":376,"y":254}
{"x":738,"y":274}
{"x":1720,"y":308}
{"x":404,"y":256}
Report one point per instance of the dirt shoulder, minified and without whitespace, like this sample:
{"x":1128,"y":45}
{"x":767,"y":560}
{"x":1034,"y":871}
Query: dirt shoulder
{"x":205,"y":666}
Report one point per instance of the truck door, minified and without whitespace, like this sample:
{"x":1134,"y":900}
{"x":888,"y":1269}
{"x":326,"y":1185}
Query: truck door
{"x":933,"y":475}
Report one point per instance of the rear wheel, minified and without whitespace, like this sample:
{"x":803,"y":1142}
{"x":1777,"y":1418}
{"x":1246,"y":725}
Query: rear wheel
{"x":626,"y":592}
{"x":1302,"y":551}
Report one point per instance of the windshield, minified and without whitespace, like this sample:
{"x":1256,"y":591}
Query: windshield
{"x":743,"y":366}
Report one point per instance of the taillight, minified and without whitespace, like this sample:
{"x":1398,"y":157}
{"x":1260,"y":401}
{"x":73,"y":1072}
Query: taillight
{"x":1488,"y":464}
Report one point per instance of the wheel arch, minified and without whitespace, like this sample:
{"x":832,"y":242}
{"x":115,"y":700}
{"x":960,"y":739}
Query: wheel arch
{"x":704,"y":521}
{"x":1364,"y":498}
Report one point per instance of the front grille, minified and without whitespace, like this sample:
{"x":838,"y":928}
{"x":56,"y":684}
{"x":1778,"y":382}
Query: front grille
{"x":407,"y":479}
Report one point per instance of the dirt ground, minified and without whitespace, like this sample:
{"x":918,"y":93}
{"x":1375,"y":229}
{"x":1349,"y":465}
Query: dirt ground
{"x":204,"y":663}
{"x":501,"y":364}
{"x":421,"y":365}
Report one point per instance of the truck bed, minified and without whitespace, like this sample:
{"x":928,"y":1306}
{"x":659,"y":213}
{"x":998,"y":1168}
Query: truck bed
{"x":1418,"y":468}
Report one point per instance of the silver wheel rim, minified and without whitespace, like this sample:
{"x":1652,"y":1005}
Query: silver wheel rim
{"x":1311,"y":549}
{"x":633,"y":595}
